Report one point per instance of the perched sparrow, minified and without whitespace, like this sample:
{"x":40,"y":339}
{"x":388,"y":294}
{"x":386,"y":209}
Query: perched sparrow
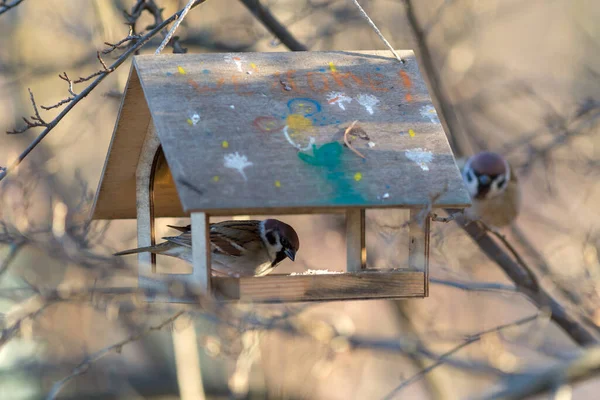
{"x":493,"y":187}
{"x":238,"y":248}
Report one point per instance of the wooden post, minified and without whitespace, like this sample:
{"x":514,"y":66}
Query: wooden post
{"x":356,"y":252}
{"x":201,"y":272}
{"x":187,"y":360}
{"x":418,"y":245}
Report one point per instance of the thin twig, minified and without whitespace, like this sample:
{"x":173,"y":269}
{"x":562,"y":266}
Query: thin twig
{"x":377,"y":31}
{"x":347,"y":142}
{"x":117,"y":347}
{"x":179,"y":20}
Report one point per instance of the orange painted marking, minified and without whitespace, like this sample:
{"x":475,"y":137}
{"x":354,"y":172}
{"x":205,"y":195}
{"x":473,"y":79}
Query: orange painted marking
{"x":405,"y":79}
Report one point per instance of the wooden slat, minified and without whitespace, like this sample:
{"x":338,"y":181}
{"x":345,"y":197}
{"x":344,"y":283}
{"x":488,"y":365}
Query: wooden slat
{"x":356,"y":252}
{"x":346,"y":286}
{"x":200,"y":276}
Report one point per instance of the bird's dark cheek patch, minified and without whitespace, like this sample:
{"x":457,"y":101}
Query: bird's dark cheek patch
{"x":271,"y":238}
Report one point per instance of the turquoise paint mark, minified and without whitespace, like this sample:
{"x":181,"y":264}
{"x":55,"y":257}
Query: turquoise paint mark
{"x":206,"y":71}
{"x":330,"y":158}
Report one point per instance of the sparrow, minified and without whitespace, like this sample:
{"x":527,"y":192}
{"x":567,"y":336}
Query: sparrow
{"x":493,"y":187}
{"x":238,"y":248}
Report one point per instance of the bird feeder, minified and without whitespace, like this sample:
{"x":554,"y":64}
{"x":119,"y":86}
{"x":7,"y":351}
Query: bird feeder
{"x":203,"y":135}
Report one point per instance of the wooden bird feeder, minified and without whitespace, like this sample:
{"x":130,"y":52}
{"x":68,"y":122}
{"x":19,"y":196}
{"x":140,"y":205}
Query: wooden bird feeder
{"x":267,"y":133}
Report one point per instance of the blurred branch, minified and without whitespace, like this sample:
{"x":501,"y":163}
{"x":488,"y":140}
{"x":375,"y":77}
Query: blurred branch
{"x":5,"y":5}
{"x":447,"y":113}
{"x":84,"y":366}
{"x":273,"y":25}
{"x":138,"y":42}
{"x":584,"y":366}
{"x":469,"y":340}
{"x":540,"y":296}
{"x":12,"y":253}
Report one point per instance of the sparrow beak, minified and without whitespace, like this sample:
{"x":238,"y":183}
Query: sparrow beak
{"x":291,"y":253}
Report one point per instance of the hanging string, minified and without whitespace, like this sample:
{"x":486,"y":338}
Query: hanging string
{"x":389,"y":46}
{"x":174,"y":27}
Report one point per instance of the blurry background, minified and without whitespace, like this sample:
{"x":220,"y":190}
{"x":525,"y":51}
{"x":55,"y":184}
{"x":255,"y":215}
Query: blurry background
{"x":514,"y":73}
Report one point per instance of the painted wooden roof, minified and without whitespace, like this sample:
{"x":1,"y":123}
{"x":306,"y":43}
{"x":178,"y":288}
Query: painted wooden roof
{"x":260,"y":132}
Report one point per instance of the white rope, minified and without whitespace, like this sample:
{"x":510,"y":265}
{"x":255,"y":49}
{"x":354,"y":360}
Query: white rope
{"x":174,"y":27}
{"x":377,"y":31}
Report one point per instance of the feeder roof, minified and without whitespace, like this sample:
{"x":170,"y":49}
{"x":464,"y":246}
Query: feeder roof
{"x":264,"y":132}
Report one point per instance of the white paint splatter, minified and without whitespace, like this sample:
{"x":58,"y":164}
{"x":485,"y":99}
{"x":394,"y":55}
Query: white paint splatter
{"x":420,"y":156}
{"x":311,"y":141}
{"x":386,"y":195}
{"x":237,"y":60}
{"x":195,"y":118}
{"x":315,"y":272}
{"x":371,"y":144}
{"x":338,"y":98}
{"x":368,"y":101}
{"x":237,"y":161}
{"x":428,"y":112}
{"x":232,"y":107}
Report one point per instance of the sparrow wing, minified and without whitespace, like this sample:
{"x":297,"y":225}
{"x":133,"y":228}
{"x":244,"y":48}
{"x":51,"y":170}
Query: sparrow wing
{"x":234,"y":238}
{"x":185,"y":239}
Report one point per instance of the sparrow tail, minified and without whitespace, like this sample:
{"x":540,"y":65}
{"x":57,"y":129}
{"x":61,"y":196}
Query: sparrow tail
{"x":181,"y":228}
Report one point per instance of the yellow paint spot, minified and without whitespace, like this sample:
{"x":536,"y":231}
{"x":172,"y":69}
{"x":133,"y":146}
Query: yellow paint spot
{"x":277,"y":184}
{"x":225,"y":144}
{"x":411,"y":133}
{"x":331,"y":66}
{"x":298,"y":123}
{"x":253,"y":66}
{"x":190,"y":122}
{"x":357,"y":176}
{"x":216,"y":178}
{"x":181,"y":70}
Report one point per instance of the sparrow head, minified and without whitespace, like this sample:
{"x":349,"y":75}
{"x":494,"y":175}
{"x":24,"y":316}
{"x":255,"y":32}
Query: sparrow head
{"x":486,"y":175}
{"x":280,"y":238}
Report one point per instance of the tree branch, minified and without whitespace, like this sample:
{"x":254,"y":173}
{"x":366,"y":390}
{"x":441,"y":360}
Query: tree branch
{"x":5,"y":5}
{"x":273,"y":25}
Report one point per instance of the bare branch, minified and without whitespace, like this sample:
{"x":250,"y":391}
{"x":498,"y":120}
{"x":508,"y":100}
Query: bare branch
{"x":49,"y":126}
{"x":34,"y":121}
{"x":273,"y":25}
